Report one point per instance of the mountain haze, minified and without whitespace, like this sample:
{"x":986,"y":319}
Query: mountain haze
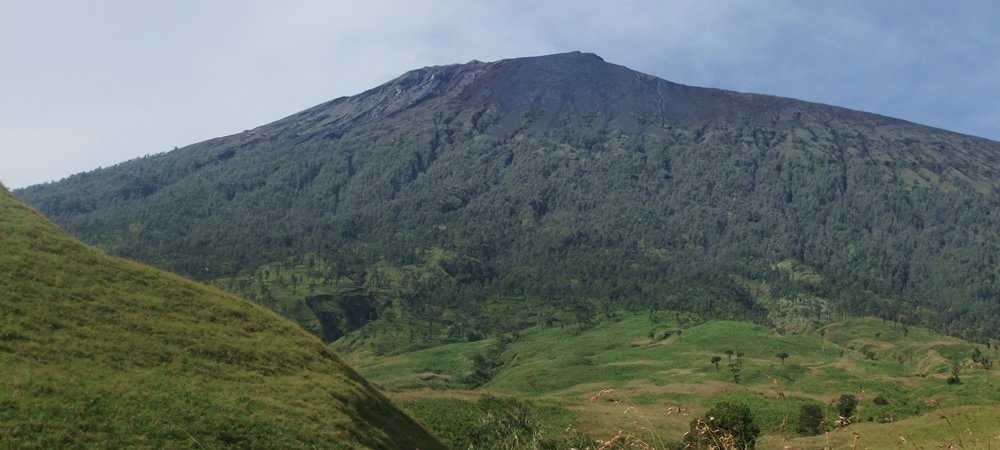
{"x":101,"y":352}
{"x":570,"y":181}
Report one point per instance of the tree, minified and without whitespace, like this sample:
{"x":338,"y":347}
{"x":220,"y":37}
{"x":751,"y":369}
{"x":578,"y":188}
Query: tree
{"x":810,"y":419}
{"x":715,"y":360}
{"x":846,"y":405}
{"x":729,"y":353}
{"x":736,"y":368}
{"x":987,"y":364}
{"x":782,"y":356}
{"x":725,"y":425}
{"x":956,"y":368}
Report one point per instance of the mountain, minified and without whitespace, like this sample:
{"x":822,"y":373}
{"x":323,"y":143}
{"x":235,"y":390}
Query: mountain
{"x":102,"y":352}
{"x":569,"y":184}
{"x":574,"y":90}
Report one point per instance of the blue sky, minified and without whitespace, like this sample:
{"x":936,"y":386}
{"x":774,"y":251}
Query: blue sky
{"x":89,"y":84}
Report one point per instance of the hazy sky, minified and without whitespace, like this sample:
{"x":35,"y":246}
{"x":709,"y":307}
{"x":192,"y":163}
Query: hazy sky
{"x":85,"y":84}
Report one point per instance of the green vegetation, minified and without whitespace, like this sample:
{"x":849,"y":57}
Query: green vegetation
{"x":810,"y":214}
{"x":846,"y":406}
{"x":570,"y":364}
{"x":502,"y":227}
{"x":725,"y":425}
{"x":810,"y":419}
{"x":106,"y":353}
{"x":496,"y":422}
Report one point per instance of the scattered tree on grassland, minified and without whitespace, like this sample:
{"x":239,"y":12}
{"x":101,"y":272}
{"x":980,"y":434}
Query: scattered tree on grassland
{"x":715,"y":360}
{"x":736,"y":368}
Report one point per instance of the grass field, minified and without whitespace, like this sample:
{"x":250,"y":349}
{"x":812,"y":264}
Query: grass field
{"x":958,"y":427}
{"x":100,"y":352}
{"x":673,"y":372}
{"x":103,"y":352}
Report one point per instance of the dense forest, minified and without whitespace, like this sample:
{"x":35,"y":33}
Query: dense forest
{"x":578,"y":212}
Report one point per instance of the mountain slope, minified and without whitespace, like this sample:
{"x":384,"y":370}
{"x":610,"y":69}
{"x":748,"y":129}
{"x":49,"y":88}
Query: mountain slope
{"x":565,"y":179}
{"x":577,"y":90}
{"x":102,"y":352}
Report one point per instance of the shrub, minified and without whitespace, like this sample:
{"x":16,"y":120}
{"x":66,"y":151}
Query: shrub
{"x":846,"y":405}
{"x":956,"y":368}
{"x":810,"y":419}
{"x":727,"y":424}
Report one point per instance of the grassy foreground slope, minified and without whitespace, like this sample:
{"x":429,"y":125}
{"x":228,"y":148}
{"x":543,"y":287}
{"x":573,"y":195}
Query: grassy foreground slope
{"x":98,"y":351}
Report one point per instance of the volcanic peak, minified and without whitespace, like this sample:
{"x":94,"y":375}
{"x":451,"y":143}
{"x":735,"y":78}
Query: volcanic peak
{"x":576,"y":90}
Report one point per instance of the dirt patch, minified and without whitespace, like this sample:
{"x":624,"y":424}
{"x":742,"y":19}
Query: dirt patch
{"x":941,"y":342}
{"x":427,"y":376}
{"x":762,"y":362}
{"x":638,"y":362}
{"x":429,"y":393}
{"x":707,"y":388}
{"x":677,"y":372}
{"x":649,"y":423}
{"x":823,"y":398}
{"x":915,"y":380}
{"x":846,"y":364}
{"x":638,"y":387}
{"x":582,"y":391}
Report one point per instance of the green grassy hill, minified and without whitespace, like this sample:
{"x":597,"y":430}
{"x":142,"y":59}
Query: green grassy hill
{"x":663,"y":366}
{"x":100,"y":352}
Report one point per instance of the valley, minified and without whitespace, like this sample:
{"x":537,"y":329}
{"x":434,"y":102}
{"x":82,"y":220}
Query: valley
{"x":658,"y":362}
{"x":672,"y":381}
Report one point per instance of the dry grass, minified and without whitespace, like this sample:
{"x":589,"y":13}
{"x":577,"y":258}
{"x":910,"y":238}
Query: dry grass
{"x":963,"y":427}
{"x":968,"y":427}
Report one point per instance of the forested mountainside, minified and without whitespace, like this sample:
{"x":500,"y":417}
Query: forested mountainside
{"x":102,"y":352}
{"x":568,"y":181}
